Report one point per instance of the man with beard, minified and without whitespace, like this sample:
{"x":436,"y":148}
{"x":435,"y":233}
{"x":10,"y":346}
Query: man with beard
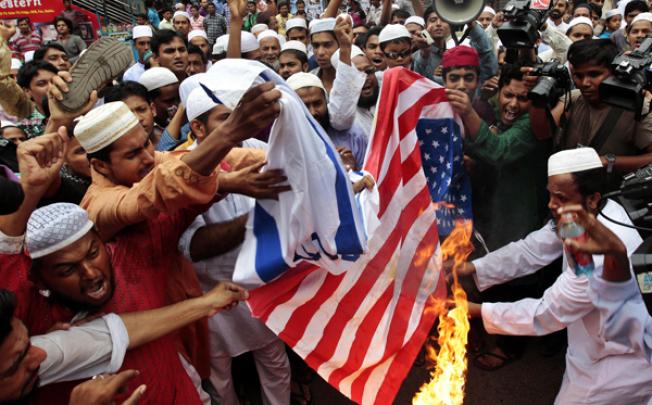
{"x":366,"y":111}
{"x":80,"y":273}
{"x":171,"y":51}
{"x":598,"y":370}
{"x":199,"y":39}
{"x":270,"y":48}
{"x":555,"y":18}
{"x":313,"y":94}
{"x":181,"y":21}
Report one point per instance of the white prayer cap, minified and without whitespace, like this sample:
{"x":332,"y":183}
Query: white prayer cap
{"x":335,"y":57}
{"x":141,"y":31}
{"x":15,"y":64}
{"x":104,"y":125}
{"x":393,"y":31}
{"x":296,"y":45}
{"x":415,"y":19}
{"x":54,"y":227}
{"x":258,"y":28}
{"x":248,"y":42}
{"x":157,"y":77}
{"x":579,"y":20}
{"x":199,"y":102}
{"x":489,"y":10}
{"x":188,"y":85}
{"x":573,"y":160}
{"x":197,"y":33}
{"x":295,"y":23}
{"x":301,"y":80}
{"x":221,"y":43}
{"x":268,"y":34}
{"x":612,"y":13}
{"x":229,"y":79}
{"x":7,"y":124}
{"x":29,"y":56}
{"x":642,"y":17}
{"x":180,"y":14}
{"x":179,"y":6}
{"x":322,"y":25}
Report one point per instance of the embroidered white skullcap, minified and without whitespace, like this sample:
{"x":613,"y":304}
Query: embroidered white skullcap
{"x":335,"y":57}
{"x":579,"y":20}
{"x":296,"y":45}
{"x":415,"y":19}
{"x":188,"y":85}
{"x":55,"y":227}
{"x":489,"y":10}
{"x":295,"y":23}
{"x":197,"y":33}
{"x":612,"y":13}
{"x":180,"y":14}
{"x":393,"y":31}
{"x":268,"y":34}
{"x":199,"y":102}
{"x":301,"y":80}
{"x":141,"y":31}
{"x":642,"y":17}
{"x":322,"y":25}
{"x":573,"y":160}
{"x":221,"y":43}
{"x":248,"y":42}
{"x":103,"y":125}
{"x":258,"y":28}
{"x":157,"y":77}
{"x":29,"y":56}
{"x":15,"y":64}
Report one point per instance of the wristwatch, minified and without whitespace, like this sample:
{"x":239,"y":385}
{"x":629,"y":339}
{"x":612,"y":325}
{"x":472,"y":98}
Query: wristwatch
{"x":611,"y":160}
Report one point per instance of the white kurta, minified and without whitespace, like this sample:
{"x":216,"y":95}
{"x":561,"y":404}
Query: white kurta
{"x":598,"y":371}
{"x":134,"y":72}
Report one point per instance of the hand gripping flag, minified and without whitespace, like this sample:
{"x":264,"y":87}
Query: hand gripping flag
{"x":361,"y":328}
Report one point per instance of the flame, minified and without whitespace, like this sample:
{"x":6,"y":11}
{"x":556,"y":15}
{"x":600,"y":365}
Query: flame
{"x":446,"y":385}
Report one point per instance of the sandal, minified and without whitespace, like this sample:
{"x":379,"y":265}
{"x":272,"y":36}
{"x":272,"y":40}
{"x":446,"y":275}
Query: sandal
{"x":504,"y":360}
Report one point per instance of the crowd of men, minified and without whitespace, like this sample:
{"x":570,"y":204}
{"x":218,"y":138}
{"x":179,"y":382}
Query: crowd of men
{"x":127,"y":185}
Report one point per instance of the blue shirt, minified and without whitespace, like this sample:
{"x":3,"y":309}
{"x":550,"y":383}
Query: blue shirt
{"x":353,"y":138}
{"x":153,"y":17}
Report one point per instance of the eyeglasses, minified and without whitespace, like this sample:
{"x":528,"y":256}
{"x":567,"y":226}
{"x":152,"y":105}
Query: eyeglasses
{"x":397,"y":55}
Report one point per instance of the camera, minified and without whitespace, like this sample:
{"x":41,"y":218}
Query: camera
{"x":631,"y":76}
{"x":553,"y":83}
{"x":521,"y":28}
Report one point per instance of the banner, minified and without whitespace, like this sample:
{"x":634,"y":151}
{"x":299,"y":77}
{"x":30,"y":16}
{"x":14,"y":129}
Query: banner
{"x":36,"y":10}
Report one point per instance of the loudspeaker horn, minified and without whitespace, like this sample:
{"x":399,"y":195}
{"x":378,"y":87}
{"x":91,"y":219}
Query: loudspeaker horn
{"x":458,"y":12}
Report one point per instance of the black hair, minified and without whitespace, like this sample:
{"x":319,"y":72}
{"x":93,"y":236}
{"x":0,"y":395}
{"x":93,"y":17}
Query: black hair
{"x":400,"y":14}
{"x":263,"y":18}
{"x":401,"y":40}
{"x":166,"y":9}
{"x":361,"y":24}
{"x":300,"y":1}
{"x":39,"y":54}
{"x":163,"y":37}
{"x":372,"y":31}
{"x":445,"y":71}
{"x":66,"y":21}
{"x":125,"y":90}
{"x":581,"y":5}
{"x":427,"y":13}
{"x":636,"y":5}
{"x":197,"y":50}
{"x":103,"y":154}
{"x":21,"y":19}
{"x":600,"y":52}
{"x":508,"y":73}
{"x":194,"y":5}
{"x":7,"y":309}
{"x":142,"y":15}
{"x":590,"y":181}
{"x":281,"y":4}
{"x":29,"y":70}
{"x":594,"y":8}
{"x":149,"y":3}
{"x":303,"y":58}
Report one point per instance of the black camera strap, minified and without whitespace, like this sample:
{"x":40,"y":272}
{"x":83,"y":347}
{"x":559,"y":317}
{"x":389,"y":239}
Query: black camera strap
{"x":605,"y":129}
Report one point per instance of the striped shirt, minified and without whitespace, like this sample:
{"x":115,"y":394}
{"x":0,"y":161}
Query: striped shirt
{"x":26,"y":43}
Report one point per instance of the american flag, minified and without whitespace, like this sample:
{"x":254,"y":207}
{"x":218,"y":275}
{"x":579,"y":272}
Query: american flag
{"x":362,"y":329}
{"x":442,"y":154}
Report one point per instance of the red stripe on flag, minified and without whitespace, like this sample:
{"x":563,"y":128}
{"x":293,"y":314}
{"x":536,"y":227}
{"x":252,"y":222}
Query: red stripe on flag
{"x":388,"y":185}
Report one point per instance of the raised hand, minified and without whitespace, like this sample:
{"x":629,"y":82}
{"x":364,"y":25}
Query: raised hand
{"x":55,"y":94}
{"x":250,"y":181}
{"x":40,"y":159}
{"x":238,"y":9}
{"x":258,"y":108}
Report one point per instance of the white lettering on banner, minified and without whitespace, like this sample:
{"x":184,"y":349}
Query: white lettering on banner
{"x":7,"y":4}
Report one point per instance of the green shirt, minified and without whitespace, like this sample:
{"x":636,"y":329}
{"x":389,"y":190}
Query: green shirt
{"x":509,"y":182}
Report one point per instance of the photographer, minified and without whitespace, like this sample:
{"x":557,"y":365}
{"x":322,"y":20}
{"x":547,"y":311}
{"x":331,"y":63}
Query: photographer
{"x":623,"y":143}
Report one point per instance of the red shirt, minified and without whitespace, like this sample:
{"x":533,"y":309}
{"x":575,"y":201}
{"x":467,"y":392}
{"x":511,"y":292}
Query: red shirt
{"x":26,"y":43}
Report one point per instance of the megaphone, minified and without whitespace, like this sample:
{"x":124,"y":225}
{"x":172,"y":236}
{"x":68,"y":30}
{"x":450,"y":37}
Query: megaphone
{"x":458,"y":12}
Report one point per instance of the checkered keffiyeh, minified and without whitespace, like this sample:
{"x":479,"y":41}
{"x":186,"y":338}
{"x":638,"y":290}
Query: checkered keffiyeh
{"x":55,"y":227}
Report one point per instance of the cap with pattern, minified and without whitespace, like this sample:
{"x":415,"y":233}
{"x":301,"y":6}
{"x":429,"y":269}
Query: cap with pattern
{"x":54,"y":227}
{"x":322,"y":25}
{"x":415,"y":19}
{"x":295,"y":45}
{"x":301,"y":80}
{"x":104,"y":125}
